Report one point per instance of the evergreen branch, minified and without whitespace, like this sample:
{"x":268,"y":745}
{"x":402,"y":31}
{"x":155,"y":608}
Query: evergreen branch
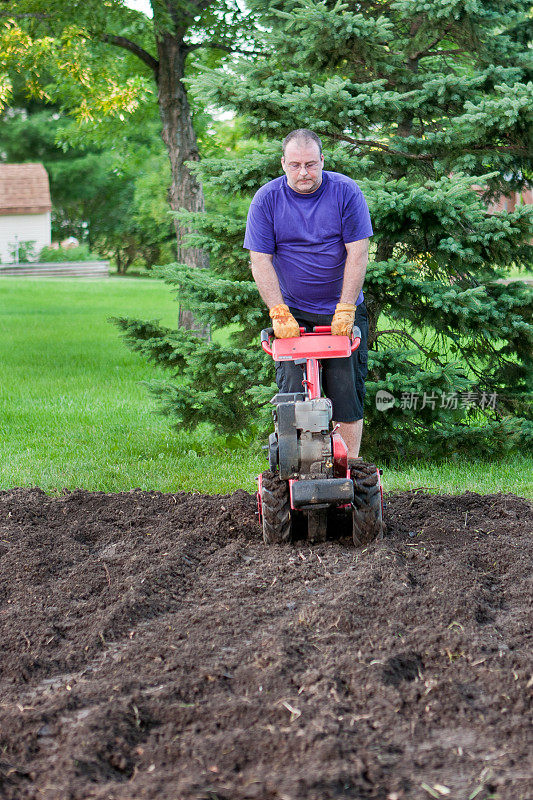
{"x":379,"y":145}
{"x":440,"y":37}
{"x":127,"y":44}
{"x":497,"y":354}
{"x":510,"y":148}
{"x":478,"y":373}
{"x":481,"y":374}
{"x":416,"y":24}
{"x":413,"y":340}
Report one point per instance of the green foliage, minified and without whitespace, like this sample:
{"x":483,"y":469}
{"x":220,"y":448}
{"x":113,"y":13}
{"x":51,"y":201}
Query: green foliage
{"x":53,"y":44}
{"x":111,"y":195}
{"x":80,"y":253}
{"x":110,"y":68}
{"x":225,"y":388}
{"x":427,"y":105}
{"x":23,"y":252}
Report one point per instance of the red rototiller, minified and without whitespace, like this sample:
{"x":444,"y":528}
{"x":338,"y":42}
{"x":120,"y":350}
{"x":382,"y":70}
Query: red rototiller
{"x":310,"y":490}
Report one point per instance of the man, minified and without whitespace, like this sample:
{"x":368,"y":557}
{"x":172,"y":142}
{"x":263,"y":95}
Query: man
{"x":307,"y":233}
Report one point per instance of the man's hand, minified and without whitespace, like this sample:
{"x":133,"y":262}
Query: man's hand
{"x":343,"y":319}
{"x":283,"y":322}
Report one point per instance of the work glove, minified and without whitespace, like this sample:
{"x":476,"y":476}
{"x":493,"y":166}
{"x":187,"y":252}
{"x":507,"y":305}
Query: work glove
{"x":343,"y":319}
{"x":283,"y":322}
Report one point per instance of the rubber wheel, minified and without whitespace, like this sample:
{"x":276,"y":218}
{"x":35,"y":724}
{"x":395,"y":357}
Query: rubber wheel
{"x":275,"y":509}
{"x":367,"y":513}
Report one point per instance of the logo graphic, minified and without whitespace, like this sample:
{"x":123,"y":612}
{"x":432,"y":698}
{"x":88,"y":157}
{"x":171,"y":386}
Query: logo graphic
{"x":384,"y":400}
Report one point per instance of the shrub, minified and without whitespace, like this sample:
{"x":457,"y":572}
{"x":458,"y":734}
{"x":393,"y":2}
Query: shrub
{"x":26,"y":252}
{"x":80,"y":253}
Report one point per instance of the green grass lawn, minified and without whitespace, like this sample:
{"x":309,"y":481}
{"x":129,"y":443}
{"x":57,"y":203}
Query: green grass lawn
{"x":73,"y":412}
{"x":522,"y":273}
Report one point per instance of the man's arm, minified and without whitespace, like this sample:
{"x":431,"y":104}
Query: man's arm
{"x":267,"y":282}
{"x":266,"y":279}
{"x":354,"y":270}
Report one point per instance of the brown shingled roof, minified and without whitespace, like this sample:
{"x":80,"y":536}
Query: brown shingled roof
{"x":24,"y":189}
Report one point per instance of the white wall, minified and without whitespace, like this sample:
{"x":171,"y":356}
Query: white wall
{"x":28,"y":228}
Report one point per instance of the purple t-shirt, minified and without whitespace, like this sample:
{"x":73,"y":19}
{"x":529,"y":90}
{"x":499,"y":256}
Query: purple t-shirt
{"x":306,"y":234}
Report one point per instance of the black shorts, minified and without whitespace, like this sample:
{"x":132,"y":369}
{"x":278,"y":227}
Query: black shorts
{"x":343,"y":379}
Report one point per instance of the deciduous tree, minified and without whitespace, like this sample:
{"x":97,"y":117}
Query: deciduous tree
{"x":111,"y":193}
{"x":78,"y":47}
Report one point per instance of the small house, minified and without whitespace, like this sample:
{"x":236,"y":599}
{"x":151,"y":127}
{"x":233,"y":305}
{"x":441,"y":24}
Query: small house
{"x":25,"y":211}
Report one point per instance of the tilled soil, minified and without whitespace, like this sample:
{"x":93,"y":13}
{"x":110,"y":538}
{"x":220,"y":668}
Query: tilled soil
{"x":152,"y":647}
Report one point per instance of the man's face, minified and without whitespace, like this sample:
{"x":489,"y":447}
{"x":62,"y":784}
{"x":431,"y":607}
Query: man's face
{"x":302,"y":164}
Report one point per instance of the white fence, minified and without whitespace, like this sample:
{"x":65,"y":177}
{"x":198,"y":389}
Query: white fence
{"x":59,"y":269}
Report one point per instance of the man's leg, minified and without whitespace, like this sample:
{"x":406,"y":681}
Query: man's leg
{"x":289,"y":376}
{"x":344,"y":382}
{"x":351,"y":432}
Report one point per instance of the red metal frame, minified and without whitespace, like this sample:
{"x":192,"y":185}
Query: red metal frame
{"x":313,"y":347}
{"x":312,"y":378}
{"x":340,"y":455}
{"x":291,"y":481}
{"x":318,"y":344}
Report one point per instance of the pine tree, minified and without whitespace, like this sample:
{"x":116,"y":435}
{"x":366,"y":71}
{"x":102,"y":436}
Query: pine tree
{"x":427,"y":105}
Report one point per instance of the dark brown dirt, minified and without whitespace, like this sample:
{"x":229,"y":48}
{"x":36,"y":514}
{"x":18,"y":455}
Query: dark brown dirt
{"x":152,"y":647}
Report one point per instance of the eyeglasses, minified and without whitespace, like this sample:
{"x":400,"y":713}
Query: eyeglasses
{"x":310,"y":167}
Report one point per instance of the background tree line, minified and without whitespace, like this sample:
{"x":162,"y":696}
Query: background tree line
{"x":114,"y":199}
{"x":119,"y":74}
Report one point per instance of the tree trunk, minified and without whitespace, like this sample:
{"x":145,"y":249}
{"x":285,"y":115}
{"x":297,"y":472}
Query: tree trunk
{"x":180,"y":139}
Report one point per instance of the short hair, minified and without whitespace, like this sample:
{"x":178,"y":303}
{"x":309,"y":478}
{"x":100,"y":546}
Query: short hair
{"x":303,"y":135}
